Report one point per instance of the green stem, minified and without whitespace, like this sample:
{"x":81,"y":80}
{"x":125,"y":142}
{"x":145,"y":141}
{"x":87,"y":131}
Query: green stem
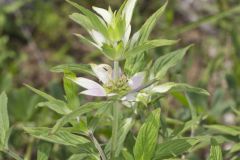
{"x":97,"y":145}
{"x":193,"y":113}
{"x":12,"y":154}
{"x":115,"y":130}
{"x":116,"y":70}
{"x":29,"y":150}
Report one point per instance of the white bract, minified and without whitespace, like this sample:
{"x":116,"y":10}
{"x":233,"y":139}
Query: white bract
{"x":109,"y":87}
{"x":110,"y":31}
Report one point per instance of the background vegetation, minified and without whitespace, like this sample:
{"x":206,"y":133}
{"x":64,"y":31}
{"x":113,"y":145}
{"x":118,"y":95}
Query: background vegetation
{"x":36,"y":35}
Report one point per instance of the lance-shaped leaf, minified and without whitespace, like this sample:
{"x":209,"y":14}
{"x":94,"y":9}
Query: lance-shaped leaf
{"x":63,"y":137}
{"x":144,"y":32}
{"x":71,"y":91}
{"x":163,"y":63}
{"x":173,"y":148}
{"x":136,"y":64}
{"x":148,"y":45}
{"x":88,"y":107}
{"x":82,"y":20}
{"x":94,"y":19}
{"x":215,"y":151}
{"x":53,"y":103}
{"x":186,"y":126}
{"x":171,"y":86}
{"x":43,"y":151}
{"x":235,"y":148}
{"x":88,"y":41}
{"x":230,"y":130}
{"x":124,"y":128}
{"x":107,"y":15}
{"x":147,"y":137}
{"x":84,"y":156}
{"x":127,"y":155}
{"x":4,"y":121}
{"x":128,"y":10}
{"x":57,"y":107}
{"x":79,"y":68}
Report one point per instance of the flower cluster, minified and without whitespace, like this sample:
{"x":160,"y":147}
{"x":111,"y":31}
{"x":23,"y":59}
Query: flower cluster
{"x":110,"y":33}
{"x":110,"y":86}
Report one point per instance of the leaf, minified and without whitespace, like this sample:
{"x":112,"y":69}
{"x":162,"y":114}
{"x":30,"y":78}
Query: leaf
{"x":71,"y":91}
{"x":43,"y":151}
{"x":88,"y":41}
{"x":128,"y":10}
{"x":127,"y":155}
{"x":80,"y":68}
{"x":40,"y":93}
{"x":147,"y":27}
{"x":136,"y":64}
{"x":58,"y":108}
{"x":83,"y":156}
{"x":230,"y":130}
{"x":124,"y":128}
{"x":173,"y":87}
{"x":186,"y":126}
{"x":148,"y":45}
{"x":60,"y":137}
{"x":235,"y":148}
{"x":82,"y":20}
{"x":88,"y":107}
{"x":163,"y":63}
{"x":95,"y":20}
{"x":173,"y":148}
{"x":4,"y":121}
{"x":105,"y":14}
{"x":147,"y":137}
{"x":53,"y":103}
{"x":123,"y":131}
{"x":215,"y":151}
{"x":78,"y":156}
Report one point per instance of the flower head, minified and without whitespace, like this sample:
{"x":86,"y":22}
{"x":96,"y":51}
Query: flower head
{"x":109,"y":86}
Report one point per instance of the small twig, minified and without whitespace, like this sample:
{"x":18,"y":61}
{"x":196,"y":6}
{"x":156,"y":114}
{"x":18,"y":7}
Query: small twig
{"x":97,"y":145}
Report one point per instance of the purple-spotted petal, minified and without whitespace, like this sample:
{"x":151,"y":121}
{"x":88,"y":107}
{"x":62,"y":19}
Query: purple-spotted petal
{"x":97,"y":92}
{"x":103,"y":72}
{"x":137,"y":80}
{"x":87,"y":83}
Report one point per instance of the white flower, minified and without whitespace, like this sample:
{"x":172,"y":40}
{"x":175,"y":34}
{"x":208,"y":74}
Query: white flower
{"x":109,"y":86}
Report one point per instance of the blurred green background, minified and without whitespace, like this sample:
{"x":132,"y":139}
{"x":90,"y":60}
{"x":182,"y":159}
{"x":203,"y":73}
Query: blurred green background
{"x":36,"y":35}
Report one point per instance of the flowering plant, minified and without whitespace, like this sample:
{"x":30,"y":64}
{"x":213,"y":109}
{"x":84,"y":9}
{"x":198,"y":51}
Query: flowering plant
{"x":121,"y":94}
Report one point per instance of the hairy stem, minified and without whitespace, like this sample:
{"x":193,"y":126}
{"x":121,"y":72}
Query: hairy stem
{"x":115,"y":130}
{"x":97,"y":145}
{"x":116,"y":70}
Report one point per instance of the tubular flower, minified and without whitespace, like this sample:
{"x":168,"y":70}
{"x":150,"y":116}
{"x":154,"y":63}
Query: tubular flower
{"x":109,"y":86}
